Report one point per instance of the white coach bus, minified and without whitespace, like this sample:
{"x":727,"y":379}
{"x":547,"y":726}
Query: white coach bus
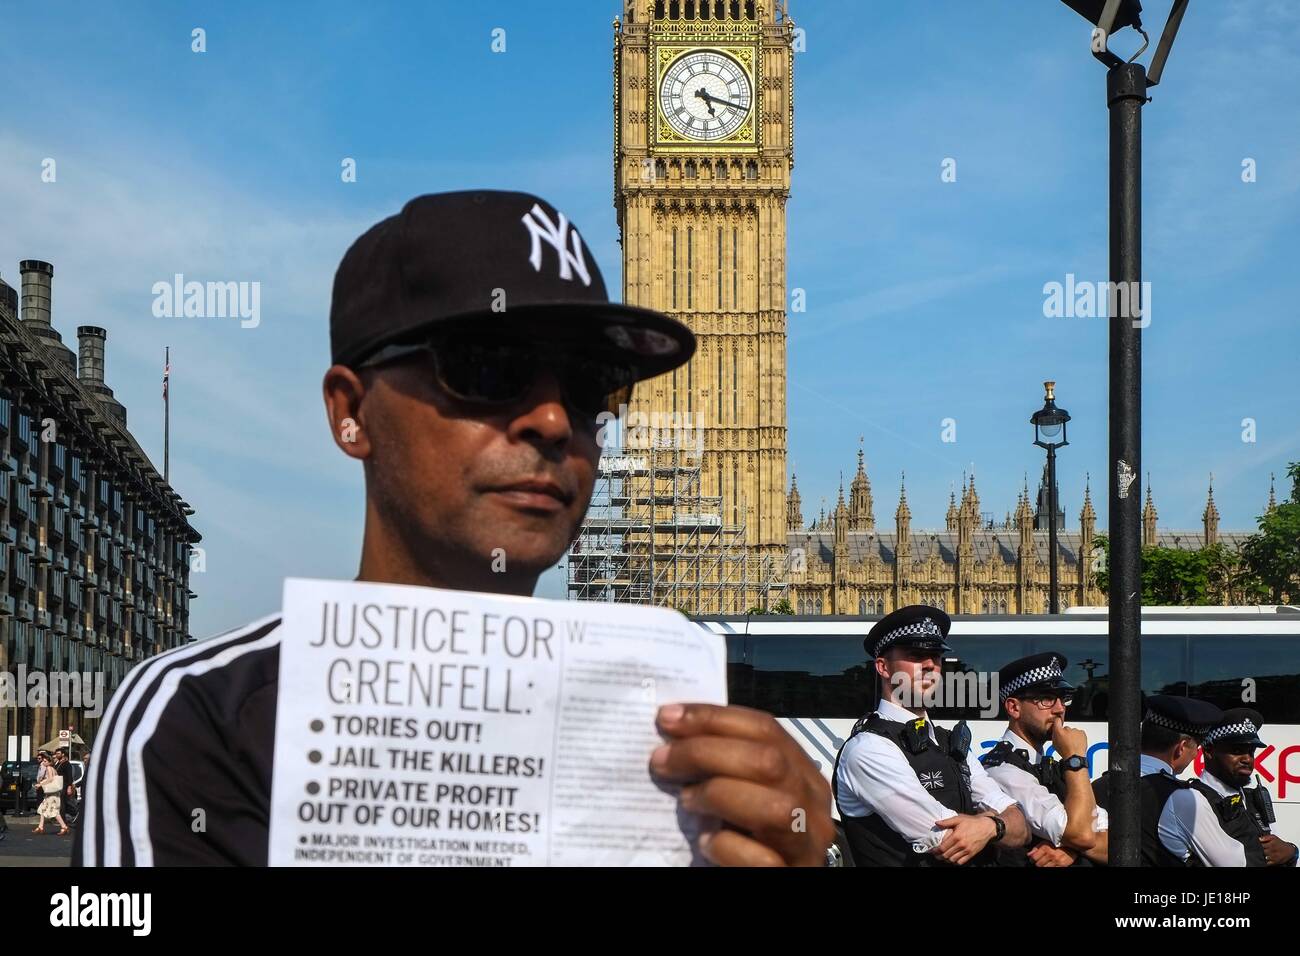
{"x":811,"y":673}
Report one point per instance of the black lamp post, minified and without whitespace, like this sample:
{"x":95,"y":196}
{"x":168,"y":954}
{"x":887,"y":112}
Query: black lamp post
{"x":1049,"y":432}
{"x":1126,"y":93}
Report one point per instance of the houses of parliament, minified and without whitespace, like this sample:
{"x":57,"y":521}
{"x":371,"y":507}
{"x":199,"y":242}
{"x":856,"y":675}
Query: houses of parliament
{"x":703,"y":153}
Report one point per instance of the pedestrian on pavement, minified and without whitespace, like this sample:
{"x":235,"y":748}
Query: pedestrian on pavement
{"x":50,"y":784}
{"x":68,"y":776}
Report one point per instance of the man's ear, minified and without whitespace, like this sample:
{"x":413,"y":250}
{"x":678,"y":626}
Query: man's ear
{"x":1012,"y":705}
{"x":343,"y":391}
{"x":882,"y":670}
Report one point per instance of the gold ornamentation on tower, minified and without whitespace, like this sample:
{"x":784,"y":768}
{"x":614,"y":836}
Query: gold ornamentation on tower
{"x":700,"y":192}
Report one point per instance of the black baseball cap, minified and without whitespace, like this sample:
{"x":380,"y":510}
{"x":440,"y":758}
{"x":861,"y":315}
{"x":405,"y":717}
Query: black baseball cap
{"x":493,"y":258}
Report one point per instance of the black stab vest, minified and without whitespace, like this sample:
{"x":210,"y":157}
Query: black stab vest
{"x":872,"y":841}
{"x":1237,"y":820}
{"x":1046,"y":772}
{"x":1155,"y":789}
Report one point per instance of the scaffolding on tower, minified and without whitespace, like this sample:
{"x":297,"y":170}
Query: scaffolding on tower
{"x":652,"y":537}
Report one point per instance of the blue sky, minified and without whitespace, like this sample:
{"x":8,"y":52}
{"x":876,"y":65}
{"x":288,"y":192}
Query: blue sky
{"x":924,"y":298}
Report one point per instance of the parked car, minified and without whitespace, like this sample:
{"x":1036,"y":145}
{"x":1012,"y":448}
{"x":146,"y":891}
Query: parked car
{"x":13,"y":774}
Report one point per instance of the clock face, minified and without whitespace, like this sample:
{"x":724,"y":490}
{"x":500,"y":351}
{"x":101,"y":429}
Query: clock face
{"x":705,"y":95}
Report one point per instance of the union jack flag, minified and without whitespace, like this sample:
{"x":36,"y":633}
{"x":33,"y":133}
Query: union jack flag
{"x":932,"y":781}
{"x":167,"y":371}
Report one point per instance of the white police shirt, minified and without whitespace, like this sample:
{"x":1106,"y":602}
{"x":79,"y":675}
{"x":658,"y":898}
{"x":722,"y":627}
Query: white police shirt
{"x":1042,"y":809}
{"x":1188,"y":824}
{"x":875,"y":777}
{"x":1218,"y":786}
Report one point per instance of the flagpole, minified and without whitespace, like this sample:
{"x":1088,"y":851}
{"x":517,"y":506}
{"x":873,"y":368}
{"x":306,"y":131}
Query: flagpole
{"x":167,"y":410}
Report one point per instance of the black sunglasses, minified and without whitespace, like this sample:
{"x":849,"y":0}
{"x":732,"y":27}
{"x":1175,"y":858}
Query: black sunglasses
{"x":501,"y":373}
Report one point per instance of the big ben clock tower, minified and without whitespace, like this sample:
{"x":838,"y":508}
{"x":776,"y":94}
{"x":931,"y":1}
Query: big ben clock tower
{"x":703,"y":148}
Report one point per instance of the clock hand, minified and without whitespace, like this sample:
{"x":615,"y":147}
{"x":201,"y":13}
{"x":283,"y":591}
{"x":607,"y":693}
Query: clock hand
{"x":702,"y":94}
{"x":710,"y":100}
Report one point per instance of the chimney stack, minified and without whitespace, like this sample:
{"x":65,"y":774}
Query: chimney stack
{"x":90,"y":358}
{"x":37,"y":279}
{"x":90,"y":370}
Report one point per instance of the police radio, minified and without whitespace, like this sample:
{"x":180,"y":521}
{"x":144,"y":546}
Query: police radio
{"x":959,"y":741}
{"x":1262,"y":804}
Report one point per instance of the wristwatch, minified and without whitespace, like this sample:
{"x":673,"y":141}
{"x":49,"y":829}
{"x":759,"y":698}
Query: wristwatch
{"x":1075,"y":763}
{"x":1001,"y":828}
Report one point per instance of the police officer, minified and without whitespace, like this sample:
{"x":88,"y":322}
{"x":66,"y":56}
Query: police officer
{"x":910,"y":793}
{"x":1055,"y":795}
{"x":1179,"y":826}
{"x":1246,"y":812}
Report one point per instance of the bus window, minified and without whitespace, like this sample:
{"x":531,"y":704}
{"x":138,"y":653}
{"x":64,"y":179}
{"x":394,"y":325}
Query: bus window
{"x":1221,"y":664}
{"x":740,"y":676}
{"x":804,"y":677}
{"x":1164,"y":664}
{"x":982,"y":654}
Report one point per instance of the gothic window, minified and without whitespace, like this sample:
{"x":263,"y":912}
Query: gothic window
{"x":659,"y":9}
{"x":862,"y":606}
{"x":735,"y":267}
{"x":674,"y":10}
{"x":735,"y":490}
{"x":690,"y":262}
{"x":690,"y":9}
{"x":674,"y":267}
{"x":661,"y":169}
{"x":719,"y":276}
{"x":751,"y":170}
{"x":691,"y":171}
{"x":721,"y":419}
{"x":690,"y":400}
{"x":718,"y":11}
{"x":735,"y":9}
{"x":749,"y":10}
{"x":721,"y":171}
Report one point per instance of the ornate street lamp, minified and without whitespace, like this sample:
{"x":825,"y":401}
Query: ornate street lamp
{"x":1049,"y":432}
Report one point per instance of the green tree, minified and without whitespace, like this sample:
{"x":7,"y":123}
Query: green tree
{"x":1231,"y":579}
{"x":1273,"y":554}
{"x":1171,"y":576}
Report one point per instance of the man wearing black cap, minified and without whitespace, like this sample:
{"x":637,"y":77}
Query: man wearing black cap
{"x":1179,"y":827}
{"x":1054,"y":793}
{"x":1245,"y":811}
{"x":910,"y":793}
{"x":475,"y":352}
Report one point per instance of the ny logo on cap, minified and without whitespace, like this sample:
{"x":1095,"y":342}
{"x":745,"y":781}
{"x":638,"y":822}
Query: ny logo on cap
{"x":559,"y":234}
